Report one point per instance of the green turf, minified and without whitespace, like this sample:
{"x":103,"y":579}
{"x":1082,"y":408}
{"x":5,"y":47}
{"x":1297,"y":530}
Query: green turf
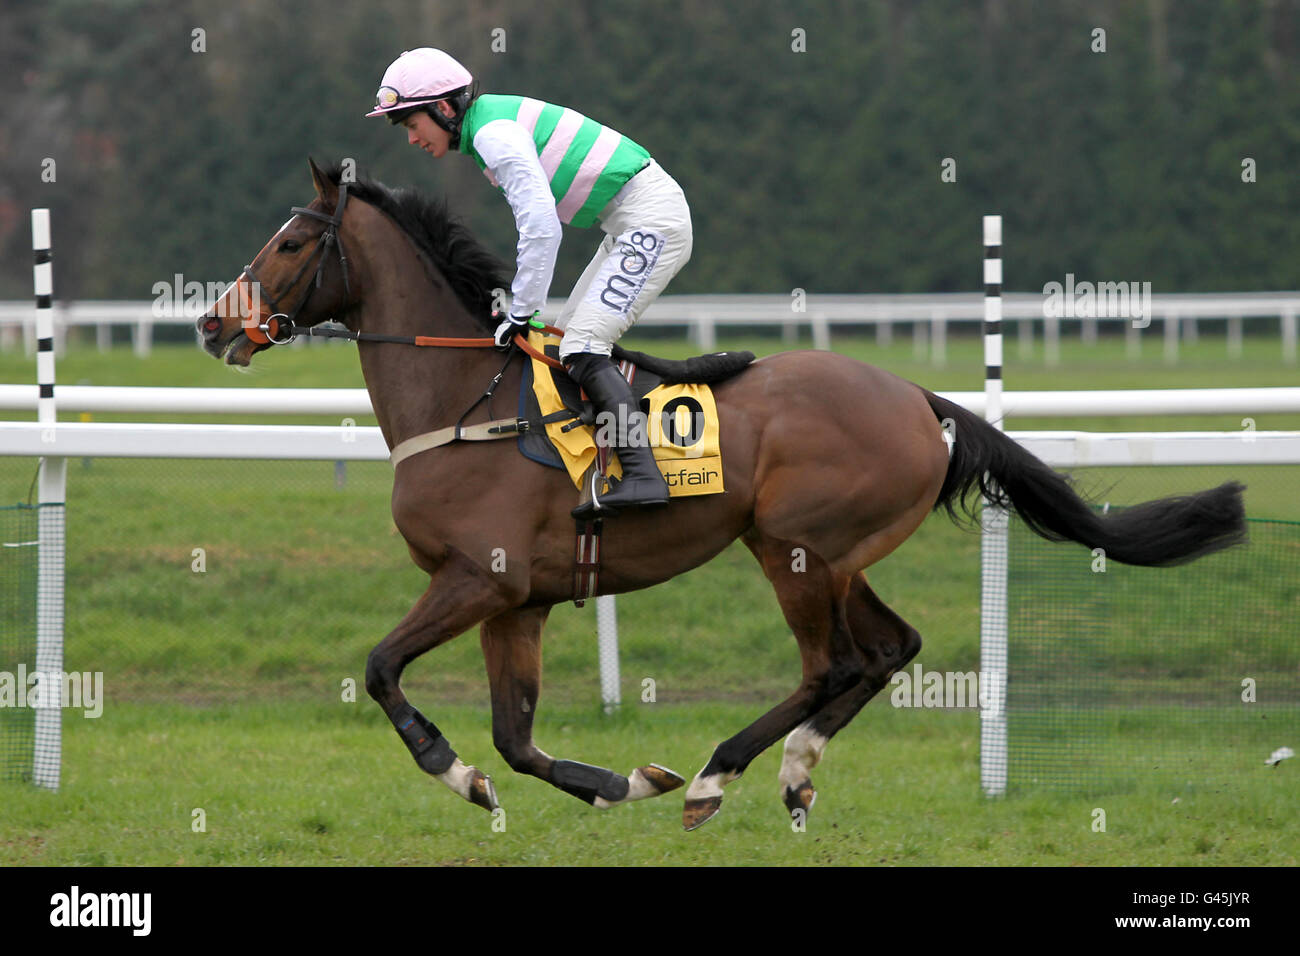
{"x":329,"y":783}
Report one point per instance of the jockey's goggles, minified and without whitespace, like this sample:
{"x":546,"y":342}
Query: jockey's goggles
{"x":387,"y":98}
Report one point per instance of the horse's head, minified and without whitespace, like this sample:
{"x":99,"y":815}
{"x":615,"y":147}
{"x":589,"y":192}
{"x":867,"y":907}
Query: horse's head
{"x":299,"y":278}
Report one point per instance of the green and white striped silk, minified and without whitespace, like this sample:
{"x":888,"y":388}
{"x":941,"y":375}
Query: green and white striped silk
{"x":586,"y":163}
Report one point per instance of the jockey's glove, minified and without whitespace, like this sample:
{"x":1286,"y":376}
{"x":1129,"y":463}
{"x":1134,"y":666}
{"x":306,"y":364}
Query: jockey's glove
{"x":511,"y":326}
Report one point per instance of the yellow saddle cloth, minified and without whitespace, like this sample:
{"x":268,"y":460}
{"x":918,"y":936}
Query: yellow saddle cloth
{"x":682,"y":429}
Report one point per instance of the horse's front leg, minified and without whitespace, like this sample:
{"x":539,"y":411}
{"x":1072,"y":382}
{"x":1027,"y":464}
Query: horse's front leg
{"x":512,"y":648}
{"x":460,"y":595}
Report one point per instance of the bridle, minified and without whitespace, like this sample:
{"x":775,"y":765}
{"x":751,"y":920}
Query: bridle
{"x":327,"y":240}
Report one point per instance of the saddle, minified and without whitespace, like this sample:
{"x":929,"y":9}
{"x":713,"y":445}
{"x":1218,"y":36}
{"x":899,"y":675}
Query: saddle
{"x":674,"y":395}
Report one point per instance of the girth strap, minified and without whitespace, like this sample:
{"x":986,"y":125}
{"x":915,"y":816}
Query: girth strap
{"x":485,"y":431}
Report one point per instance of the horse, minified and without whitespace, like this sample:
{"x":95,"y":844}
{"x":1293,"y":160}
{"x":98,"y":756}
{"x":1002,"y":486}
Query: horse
{"x":829,"y":465}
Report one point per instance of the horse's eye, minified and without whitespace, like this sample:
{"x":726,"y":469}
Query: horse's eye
{"x":290,"y":245}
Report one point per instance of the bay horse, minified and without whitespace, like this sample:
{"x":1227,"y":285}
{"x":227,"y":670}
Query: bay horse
{"x":829,"y":465}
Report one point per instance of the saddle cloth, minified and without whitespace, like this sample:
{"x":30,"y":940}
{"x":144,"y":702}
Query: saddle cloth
{"x":682,"y":426}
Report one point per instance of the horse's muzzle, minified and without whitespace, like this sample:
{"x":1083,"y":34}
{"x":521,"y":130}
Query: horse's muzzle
{"x":228,"y":339}
{"x":210,"y":334}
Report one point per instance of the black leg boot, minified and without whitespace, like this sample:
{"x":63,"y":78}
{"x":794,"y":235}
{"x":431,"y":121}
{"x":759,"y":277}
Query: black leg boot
{"x":642,"y":484}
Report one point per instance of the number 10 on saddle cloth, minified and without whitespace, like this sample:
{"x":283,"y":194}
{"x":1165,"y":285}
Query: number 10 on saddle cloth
{"x":681,"y":426}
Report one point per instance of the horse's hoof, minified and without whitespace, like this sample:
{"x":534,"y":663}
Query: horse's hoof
{"x":700,"y":811}
{"x":481,"y":792}
{"x":801,"y":797}
{"x":651,"y":780}
{"x":660,"y":778}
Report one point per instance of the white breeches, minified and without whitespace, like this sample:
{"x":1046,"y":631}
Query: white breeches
{"x":648,"y":239}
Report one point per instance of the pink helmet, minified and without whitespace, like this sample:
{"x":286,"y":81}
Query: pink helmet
{"x":419,"y":78}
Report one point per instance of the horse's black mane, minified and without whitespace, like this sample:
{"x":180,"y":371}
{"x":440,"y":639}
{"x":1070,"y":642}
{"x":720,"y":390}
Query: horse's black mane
{"x":471,"y":270}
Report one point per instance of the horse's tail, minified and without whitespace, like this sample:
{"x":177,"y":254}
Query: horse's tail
{"x":1159,"y":533}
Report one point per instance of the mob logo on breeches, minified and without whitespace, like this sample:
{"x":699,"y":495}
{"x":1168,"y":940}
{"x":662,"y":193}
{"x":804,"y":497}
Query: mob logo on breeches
{"x":622,"y":277}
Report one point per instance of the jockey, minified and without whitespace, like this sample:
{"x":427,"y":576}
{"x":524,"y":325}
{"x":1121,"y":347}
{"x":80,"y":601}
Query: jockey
{"x":555,"y":165}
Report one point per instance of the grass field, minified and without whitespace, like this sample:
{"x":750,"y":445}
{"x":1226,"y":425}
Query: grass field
{"x":326,"y":784}
{"x":234,"y":705}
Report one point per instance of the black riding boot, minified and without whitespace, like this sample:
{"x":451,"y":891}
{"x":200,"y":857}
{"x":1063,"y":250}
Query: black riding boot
{"x":642,"y":484}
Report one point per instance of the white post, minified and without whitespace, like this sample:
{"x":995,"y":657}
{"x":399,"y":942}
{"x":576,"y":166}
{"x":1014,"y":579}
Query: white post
{"x":705,"y":336}
{"x":1234,"y":336}
{"x":920,"y":340}
{"x":993,"y":543}
{"x":47,"y":756}
{"x":1051,"y":339}
{"x":938,"y":339}
{"x":821,"y":332}
{"x":143,"y":338}
{"x":1088,"y":331}
{"x":1132,"y":341}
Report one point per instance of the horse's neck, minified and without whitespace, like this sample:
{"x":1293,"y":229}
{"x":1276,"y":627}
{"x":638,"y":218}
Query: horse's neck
{"x":416,"y":389}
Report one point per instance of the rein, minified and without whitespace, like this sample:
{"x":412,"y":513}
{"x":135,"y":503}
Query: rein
{"x":273,"y":329}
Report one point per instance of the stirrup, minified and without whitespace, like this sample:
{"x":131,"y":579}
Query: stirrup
{"x":596,"y":507}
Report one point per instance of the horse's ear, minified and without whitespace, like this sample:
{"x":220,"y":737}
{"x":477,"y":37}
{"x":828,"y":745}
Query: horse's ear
{"x":326,"y":190}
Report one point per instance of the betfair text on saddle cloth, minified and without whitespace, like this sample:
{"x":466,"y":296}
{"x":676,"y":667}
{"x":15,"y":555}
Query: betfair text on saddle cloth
{"x":554,"y":165}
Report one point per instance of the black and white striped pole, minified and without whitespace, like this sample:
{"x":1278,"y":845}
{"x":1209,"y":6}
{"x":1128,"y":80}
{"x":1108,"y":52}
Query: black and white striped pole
{"x":993,"y":543}
{"x":52,"y":484}
{"x":993,"y":320}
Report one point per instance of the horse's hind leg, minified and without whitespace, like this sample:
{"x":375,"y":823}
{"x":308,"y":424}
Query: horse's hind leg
{"x":813,"y":601}
{"x":512,"y":649}
{"x":459,"y":596}
{"x":887,"y":643}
